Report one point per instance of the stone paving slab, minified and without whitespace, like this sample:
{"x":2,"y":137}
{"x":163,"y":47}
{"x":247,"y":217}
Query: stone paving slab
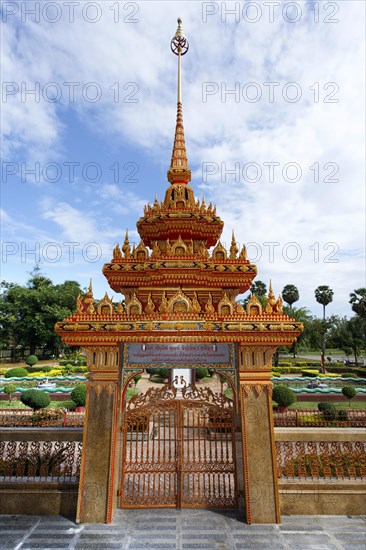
{"x":182,"y":530}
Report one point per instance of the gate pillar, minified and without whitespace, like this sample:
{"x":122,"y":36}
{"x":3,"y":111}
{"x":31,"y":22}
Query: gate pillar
{"x":96,"y":499}
{"x":260,"y":476}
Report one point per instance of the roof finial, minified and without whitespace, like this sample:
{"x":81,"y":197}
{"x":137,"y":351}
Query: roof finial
{"x":179,"y":171}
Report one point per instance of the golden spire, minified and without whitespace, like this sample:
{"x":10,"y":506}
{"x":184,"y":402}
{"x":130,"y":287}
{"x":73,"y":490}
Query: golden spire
{"x":179,"y":171}
{"x":126,"y":249}
{"x":233,"y":248}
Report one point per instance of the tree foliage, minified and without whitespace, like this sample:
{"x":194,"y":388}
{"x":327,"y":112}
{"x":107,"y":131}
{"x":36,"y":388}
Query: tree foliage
{"x":28,"y":313}
{"x":324,"y":296}
{"x":348,"y":335}
{"x":290,"y":294}
{"x":358,"y":302}
{"x":258,"y":288}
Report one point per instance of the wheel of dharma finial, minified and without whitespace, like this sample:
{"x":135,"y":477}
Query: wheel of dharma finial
{"x":179,"y":44}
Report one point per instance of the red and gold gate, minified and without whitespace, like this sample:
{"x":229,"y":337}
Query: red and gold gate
{"x":179,"y":450}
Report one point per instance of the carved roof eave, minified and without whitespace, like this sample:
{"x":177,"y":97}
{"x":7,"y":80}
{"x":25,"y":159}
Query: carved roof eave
{"x":236,"y":328}
{"x":128,"y":268}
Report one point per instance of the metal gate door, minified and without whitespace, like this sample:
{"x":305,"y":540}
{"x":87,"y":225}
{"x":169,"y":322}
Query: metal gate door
{"x":178,"y":450}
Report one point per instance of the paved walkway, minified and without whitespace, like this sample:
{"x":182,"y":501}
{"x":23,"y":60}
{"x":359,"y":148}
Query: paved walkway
{"x":182,"y":529}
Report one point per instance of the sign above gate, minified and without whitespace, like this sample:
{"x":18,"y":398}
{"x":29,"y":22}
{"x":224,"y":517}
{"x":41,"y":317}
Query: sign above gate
{"x":178,"y":354}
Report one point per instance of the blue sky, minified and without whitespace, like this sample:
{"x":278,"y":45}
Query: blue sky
{"x":273,"y":101}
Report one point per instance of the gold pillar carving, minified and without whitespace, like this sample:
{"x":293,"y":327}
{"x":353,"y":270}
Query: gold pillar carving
{"x":97,"y":483}
{"x":255,"y":394}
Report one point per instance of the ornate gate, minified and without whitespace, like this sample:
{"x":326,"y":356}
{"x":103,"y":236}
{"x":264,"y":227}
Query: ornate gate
{"x":179,"y":450}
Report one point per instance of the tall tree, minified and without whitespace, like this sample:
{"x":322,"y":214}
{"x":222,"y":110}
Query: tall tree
{"x":290,"y":294}
{"x":28,"y":313}
{"x":259,"y":288}
{"x":324,"y":296}
{"x":358,"y":302}
{"x":348,"y":335}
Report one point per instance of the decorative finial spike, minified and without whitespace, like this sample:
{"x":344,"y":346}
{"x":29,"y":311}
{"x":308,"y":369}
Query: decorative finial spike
{"x":179,"y":171}
{"x":91,"y":285}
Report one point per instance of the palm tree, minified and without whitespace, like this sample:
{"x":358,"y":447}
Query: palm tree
{"x":324,"y":296}
{"x":258,"y":288}
{"x":358,"y":302}
{"x":290,"y":294}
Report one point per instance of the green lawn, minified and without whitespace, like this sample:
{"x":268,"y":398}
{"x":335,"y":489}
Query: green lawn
{"x":15,"y":404}
{"x":338,"y":404}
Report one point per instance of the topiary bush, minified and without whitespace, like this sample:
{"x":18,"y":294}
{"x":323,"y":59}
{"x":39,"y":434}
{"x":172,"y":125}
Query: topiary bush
{"x":312,"y":373}
{"x":17,"y":372}
{"x":349,"y":375}
{"x":78,"y":395}
{"x":283,"y":395}
{"x":31,"y":360}
{"x":349,"y":392}
{"x":35,"y":399}
{"x":328,"y":410}
{"x":201,"y":373}
{"x":9,"y":389}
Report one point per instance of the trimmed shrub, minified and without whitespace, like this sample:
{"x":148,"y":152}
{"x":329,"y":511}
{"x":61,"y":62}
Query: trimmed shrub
{"x":35,"y":399}
{"x":201,"y":373}
{"x":349,"y":392}
{"x":67,"y":369}
{"x":31,"y":360}
{"x":78,"y":395}
{"x":361,"y":372}
{"x":82,"y":370}
{"x":17,"y":372}
{"x":283,"y":395}
{"x":310,"y":372}
{"x":55,"y":372}
{"x":349,"y":375}
{"x":46,"y":369}
{"x":9,"y":389}
{"x":328,"y":410}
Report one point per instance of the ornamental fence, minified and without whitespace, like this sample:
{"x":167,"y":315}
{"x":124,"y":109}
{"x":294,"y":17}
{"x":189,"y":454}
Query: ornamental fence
{"x":40,"y":455}
{"x":54,"y":454}
{"x":301,"y":418}
{"x":321,"y":459}
{"x":45,"y":418}
{"x":311,"y":418}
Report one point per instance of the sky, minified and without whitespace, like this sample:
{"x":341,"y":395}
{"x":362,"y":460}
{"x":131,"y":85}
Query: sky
{"x":273,"y":103}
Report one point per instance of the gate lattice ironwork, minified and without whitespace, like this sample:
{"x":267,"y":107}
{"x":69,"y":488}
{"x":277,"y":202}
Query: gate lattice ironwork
{"x":179,"y":450}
